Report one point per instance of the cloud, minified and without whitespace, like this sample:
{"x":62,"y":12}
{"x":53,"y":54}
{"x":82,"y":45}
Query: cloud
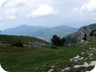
{"x":11,"y":10}
{"x":76,"y":13}
{"x":89,"y":6}
{"x":11,"y":13}
{"x":85,"y":11}
{"x":11,"y":17}
{"x":1,"y":2}
{"x":22,"y":8}
{"x":43,"y":9}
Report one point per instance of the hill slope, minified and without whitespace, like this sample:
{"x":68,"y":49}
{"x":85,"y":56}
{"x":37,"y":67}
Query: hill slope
{"x":73,"y":58}
{"x":25,"y":40}
{"x":44,"y":33}
{"x":77,"y":36}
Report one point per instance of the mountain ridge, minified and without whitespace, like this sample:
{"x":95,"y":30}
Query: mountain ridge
{"x":41,"y":32}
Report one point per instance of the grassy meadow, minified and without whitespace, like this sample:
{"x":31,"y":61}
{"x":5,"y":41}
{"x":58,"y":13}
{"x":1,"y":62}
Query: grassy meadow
{"x":41,"y":59}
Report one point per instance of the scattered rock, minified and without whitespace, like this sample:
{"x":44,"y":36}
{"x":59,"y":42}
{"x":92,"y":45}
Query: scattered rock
{"x":76,"y":58}
{"x":83,"y":53}
{"x":66,"y":69}
{"x":50,"y":70}
{"x":53,"y":66}
{"x":92,"y":63}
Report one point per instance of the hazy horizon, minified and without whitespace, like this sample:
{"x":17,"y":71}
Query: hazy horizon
{"x":49,"y":13}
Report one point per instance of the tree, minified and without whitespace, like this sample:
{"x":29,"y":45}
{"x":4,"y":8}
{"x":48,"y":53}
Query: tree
{"x":57,"y":41}
{"x":18,"y":44}
{"x":93,"y":33}
{"x":63,"y":40}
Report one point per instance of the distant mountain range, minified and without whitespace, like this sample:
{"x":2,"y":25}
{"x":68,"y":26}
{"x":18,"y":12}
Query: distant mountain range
{"x":44,"y":33}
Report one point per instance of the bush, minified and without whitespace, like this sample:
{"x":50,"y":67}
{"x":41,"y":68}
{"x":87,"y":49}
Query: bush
{"x":57,"y":41}
{"x":93,"y":33}
{"x":54,"y":47}
{"x":18,"y":44}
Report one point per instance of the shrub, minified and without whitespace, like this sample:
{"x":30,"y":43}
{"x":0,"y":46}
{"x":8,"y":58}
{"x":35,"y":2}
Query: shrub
{"x":54,"y":47}
{"x":18,"y":44}
{"x":57,"y":41}
{"x":93,"y":33}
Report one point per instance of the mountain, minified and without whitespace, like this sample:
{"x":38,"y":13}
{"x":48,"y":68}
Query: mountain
{"x":79,"y":34}
{"x":44,"y":33}
{"x":21,"y":30}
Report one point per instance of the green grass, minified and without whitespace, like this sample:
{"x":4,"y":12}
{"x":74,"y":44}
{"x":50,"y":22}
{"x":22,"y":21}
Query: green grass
{"x":30,"y":59}
{"x":12,"y":39}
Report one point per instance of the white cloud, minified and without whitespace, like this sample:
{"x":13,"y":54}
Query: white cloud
{"x":22,"y":7}
{"x":12,"y":11}
{"x":43,"y":9}
{"x":89,"y":6}
{"x":76,"y":14}
{"x":11,"y":17}
{"x":2,"y":1}
{"x":86,"y":11}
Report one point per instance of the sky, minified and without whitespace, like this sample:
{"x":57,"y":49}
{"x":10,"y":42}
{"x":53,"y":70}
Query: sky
{"x":48,"y":13}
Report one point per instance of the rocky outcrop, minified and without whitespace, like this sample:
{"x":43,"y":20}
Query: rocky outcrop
{"x":78,"y":36}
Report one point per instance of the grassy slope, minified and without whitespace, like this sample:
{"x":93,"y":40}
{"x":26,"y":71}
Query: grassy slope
{"x":11,"y":39}
{"x":29,"y":60}
{"x":39,"y":60}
